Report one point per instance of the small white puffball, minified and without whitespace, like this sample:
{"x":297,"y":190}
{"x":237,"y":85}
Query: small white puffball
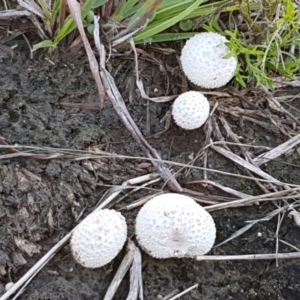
{"x":99,"y":238}
{"x":9,"y":285}
{"x":203,"y":61}
{"x":174,"y":225}
{"x":190,"y":110}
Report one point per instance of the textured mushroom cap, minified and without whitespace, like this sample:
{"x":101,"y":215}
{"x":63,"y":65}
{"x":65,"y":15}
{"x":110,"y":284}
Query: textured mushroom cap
{"x":99,"y":238}
{"x":190,"y":110}
{"x":174,"y":225}
{"x":203,"y":61}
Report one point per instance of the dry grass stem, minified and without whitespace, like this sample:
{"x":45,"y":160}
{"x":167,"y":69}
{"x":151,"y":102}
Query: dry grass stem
{"x":120,"y":108}
{"x":139,"y":202}
{"x":253,"y":199}
{"x":75,"y":10}
{"x":290,"y":245}
{"x":281,"y":82}
{"x":172,"y":294}
{"x":156,"y":180}
{"x":39,"y":28}
{"x":279,"y":222}
{"x":279,"y":106}
{"x":208,"y":131}
{"x":185,"y":292}
{"x":235,"y":144}
{"x":112,"y":193}
{"x":241,"y":231}
{"x":32,"y":7}
{"x":244,"y":150}
{"x":217,"y":133}
{"x":291,"y":255}
{"x":136,"y":278}
{"x":139,"y":82}
{"x":47,"y":153}
{"x":125,"y":38}
{"x":219,"y":186}
{"x":122,"y":270}
{"x":238,"y":160}
{"x":277,"y":151}
{"x":209,"y":198}
{"x":14,"y":13}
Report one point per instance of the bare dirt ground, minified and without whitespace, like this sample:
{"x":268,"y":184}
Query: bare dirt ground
{"x":41,"y":200}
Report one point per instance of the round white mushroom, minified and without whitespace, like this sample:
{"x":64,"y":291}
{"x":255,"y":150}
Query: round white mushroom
{"x":174,"y":225}
{"x":9,"y":285}
{"x":99,"y":238}
{"x":190,"y":110}
{"x":203,"y":61}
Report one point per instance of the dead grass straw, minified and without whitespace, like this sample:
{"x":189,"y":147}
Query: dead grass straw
{"x":75,"y":10}
{"x":253,"y":199}
{"x":277,"y":151}
{"x":290,"y":255}
{"x":47,"y":153}
{"x":121,"y":109}
{"x":185,"y":292}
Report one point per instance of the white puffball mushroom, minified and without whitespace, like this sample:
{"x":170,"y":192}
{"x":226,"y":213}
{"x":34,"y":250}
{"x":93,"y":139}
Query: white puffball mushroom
{"x":190,"y":110}
{"x":203,"y":61}
{"x":99,"y":238}
{"x":9,"y":285}
{"x":174,"y":225}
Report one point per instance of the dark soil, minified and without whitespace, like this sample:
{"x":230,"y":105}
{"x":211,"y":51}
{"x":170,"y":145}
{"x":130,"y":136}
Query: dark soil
{"x":40,"y":200}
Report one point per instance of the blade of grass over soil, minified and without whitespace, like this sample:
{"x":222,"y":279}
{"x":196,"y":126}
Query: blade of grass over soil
{"x":154,"y":29}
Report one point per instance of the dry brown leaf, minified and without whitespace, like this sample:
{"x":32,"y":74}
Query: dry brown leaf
{"x":27,"y":247}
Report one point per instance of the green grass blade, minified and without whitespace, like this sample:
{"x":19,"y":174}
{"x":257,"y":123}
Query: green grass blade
{"x":70,"y":24}
{"x":168,"y":37}
{"x":45,"y":9}
{"x":145,"y":11}
{"x":56,"y":8}
{"x":122,"y":10}
{"x":43,"y":44}
{"x":99,"y":3}
{"x":209,"y":8}
{"x":151,"y":30}
{"x":174,"y":7}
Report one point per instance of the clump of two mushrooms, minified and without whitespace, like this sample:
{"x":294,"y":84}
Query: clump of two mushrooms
{"x":169,"y":225}
{"x":205,"y":64}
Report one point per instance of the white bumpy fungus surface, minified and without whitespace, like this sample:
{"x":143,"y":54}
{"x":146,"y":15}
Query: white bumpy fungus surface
{"x":99,"y":238}
{"x":174,"y":225}
{"x":190,"y":110}
{"x":203,"y":61}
